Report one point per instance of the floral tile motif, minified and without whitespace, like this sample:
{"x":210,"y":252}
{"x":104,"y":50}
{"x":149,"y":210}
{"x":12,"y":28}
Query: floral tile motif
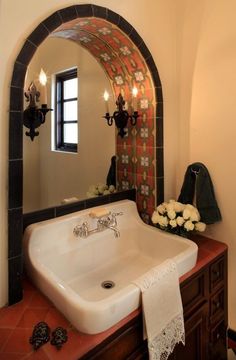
{"x":145,"y":161}
{"x":126,"y":68}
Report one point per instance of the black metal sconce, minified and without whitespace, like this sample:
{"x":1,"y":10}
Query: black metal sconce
{"x":120,"y":116}
{"x":33,"y":117}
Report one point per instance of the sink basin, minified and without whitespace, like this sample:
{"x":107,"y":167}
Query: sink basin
{"x":90,"y":279}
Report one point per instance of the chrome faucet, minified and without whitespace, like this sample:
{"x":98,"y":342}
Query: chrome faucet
{"x":81,"y":230}
{"x":107,"y":222}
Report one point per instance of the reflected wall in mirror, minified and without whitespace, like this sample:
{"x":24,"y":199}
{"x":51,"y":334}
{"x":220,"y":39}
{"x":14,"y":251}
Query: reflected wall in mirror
{"x":51,"y":176}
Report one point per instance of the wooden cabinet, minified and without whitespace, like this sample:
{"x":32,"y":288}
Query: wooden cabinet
{"x":204,"y":297}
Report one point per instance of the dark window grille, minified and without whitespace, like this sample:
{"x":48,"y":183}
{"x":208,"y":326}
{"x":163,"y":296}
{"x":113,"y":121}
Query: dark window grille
{"x":66,"y":129}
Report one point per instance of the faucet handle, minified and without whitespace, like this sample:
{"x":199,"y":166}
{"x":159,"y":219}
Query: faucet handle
{"x":113,"y":217}
{"x":117,"y":213}
{"x":81,"y":230}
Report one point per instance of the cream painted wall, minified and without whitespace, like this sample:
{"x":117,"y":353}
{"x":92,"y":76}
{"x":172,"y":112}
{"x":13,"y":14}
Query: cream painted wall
{"x":154,"y":20}
{"x":74,"y":173}
{"x":212,"y":122}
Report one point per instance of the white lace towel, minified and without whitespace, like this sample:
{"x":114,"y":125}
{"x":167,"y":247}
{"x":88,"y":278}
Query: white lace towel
{"x":162,"y":310}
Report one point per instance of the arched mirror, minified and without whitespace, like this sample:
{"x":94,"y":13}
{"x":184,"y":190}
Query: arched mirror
{"x":127,"y":62}
{"x":51,"y":176}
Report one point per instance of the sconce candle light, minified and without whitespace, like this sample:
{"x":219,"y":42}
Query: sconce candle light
{"x":33,"y":116}
{"x":121,"y":116}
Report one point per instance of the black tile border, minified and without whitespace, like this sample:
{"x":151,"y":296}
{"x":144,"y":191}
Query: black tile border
{"x":38,"y":35}
{"x":37,"y":216}
{"x":15,"y":184}
{"x":15,"y":222}
{"x":15,"y":271}
{"x":52,"y":22}
{"x":18,"y":76}
{"x":84,"y":10}
{"x":15,"y":134}
{"x":99,"y":11}
{"x":69,"y":13}
{"x":57,"y":211}
{"x":26,"y":54}
{"x":15,"y":143}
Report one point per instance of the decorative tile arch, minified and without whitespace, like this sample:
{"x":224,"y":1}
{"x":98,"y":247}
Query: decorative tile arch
{"x":128,"y":62}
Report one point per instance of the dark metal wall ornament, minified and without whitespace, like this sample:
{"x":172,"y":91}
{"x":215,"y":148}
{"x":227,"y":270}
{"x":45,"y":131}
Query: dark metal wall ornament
{"x":59,"y":337}
{"x":40,"y":336}
{"x":33,"y":117}
{"x":121,"y":117}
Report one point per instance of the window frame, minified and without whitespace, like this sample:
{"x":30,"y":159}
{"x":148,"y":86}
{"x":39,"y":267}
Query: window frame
{"x":60,"y":144}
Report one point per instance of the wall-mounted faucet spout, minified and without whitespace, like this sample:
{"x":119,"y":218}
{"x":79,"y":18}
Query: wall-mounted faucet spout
{"x":108,"y":222}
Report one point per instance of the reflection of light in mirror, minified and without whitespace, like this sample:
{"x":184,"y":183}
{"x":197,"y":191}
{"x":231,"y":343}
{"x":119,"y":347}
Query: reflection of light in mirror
{"x":106,"y":98}
{"x":70,"y":133}
{"x":42,"y":78}
{"x":134,"y":93}
{"x":70,"y":88}
{"x":43,"y":82}
{"x":70,"y":110}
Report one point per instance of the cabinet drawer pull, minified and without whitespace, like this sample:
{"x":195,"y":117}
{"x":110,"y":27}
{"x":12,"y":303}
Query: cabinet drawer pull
{"x":216,"y":272}
{"x":217,"y":304}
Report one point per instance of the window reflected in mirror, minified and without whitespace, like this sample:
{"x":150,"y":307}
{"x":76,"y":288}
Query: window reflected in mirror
{"x":66,"y":116}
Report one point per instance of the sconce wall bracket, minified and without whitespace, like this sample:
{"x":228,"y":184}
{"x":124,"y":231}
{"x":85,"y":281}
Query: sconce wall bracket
{"x":121,"y":117}
{"x":33,"y":117}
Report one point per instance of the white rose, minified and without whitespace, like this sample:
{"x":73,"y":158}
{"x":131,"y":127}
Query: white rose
{"x":186,"y":214}
{"x":92,"y":188}
{"x":171,"y":214}
{"x":161,"y":208}
{"x":189,"y":207}
{"x":200,"y":226}
{"x":194,"y":215}
{"x":163,"y":221}
{"x":173,"y":223}
{"x":178,"y":206}
{"x":101,"y":188}
{"x":180,"y":220}
{"x":111,"y":188}
{"x":155,"y":217}
{"x":170,"y":206}
{"x":189,"y":226}
{"x":106,"y":192}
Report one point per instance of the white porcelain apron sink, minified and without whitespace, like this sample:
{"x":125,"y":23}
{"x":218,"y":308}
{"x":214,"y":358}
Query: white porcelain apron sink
{"x":90,"y":279}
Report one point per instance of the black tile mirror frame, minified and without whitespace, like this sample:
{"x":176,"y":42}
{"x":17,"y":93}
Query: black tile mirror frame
{"x":15,"y":209}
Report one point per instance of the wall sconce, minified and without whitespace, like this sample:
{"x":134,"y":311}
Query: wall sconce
{"x":33,"y":116}
{"x":121,"y":116}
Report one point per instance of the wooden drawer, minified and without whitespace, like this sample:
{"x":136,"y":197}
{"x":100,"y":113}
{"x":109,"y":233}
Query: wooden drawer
{"x":217,"y":346}
{"x":217,"y":306}
{"x":127,"y":344}
{"x":194,"y":293}
{"x":217,"y":274}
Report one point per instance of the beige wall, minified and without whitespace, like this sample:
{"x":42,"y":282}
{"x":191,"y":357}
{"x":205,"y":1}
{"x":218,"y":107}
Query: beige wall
{"x":212,"y":120}
{"x":193,"y":45}
{"x":58,"y":175}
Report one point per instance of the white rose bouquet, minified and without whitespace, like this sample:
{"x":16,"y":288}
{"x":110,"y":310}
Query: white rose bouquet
{"x":100,"y":189}
{"x":177,"y":218}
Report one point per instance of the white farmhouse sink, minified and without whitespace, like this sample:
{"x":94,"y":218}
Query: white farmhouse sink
{"x":70,"y":270}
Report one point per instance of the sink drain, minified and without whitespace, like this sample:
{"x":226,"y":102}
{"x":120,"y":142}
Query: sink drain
{"x":107,"y":284}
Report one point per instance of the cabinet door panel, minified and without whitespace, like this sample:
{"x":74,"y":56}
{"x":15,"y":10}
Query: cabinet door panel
{"x":195,"y":338}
